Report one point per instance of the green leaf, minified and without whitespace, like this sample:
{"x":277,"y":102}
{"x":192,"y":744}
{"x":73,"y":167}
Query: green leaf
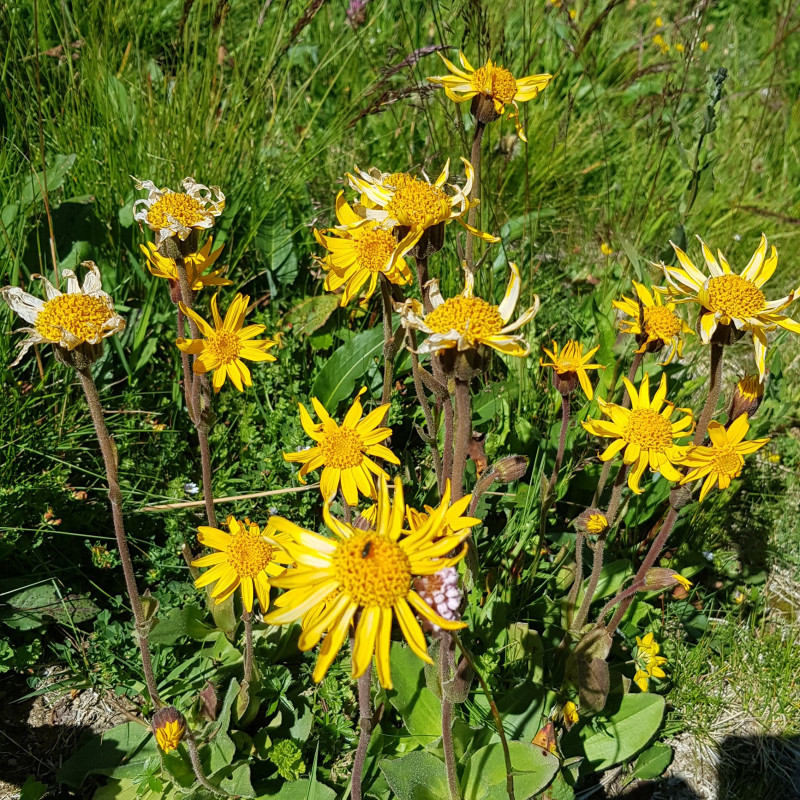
{"x":619,"y":737}
{"x":55,"y":178}
{"x":304,"y":789}
{"x":221,"y":748}
{"x":337,"y":379}
{"x":32,"y":790}
{"x":39,"y":605}
{"x":514,"y":228}
{"x":652,"y":762}
{"x":416,"y":776}
{"x":417,"y":705}
{"x":179,"y":622}
{"x":274,"y":241}
{"x":311,"y":313}
{"x":485,"y":773}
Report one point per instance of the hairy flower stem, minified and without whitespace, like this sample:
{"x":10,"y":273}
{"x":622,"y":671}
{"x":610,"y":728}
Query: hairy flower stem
{"x":715,"y":384}
{"x":547,"y":501}
{"x":446,"y":670}
{"x":576,"y":584}
{"x":591,"y":588}
{"x":422,"y":279}
{"x":109,"y":451}
{"x":463,"y":436}
{"x":475,"y":158}
{"x":388,"y":342}
{"x":365,"y":731}
{"x":188,"y":380}
{"x":197,"y":767}
{"x":247,"y":618}
{"x":430,"y":432}
{"x":616,"y":495}
{"x":626,"y":403}
{"x":200,"y":401}
{"x":495,"y":714}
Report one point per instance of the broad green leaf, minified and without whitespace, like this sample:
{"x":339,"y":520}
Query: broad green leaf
{"x":520,"y":707}
{"x":348,"y":365}
{"x":221,"y":748}
{"x":514,"y":228}
{"x":652,"y":762}
{"x":485,"y":773}
{"x":311,"y":313}
{"x":303,"y":789}
{"x":619,"y":737}
{"x":39,"y":605}
{"x":416,"y":776}
{"x":187,"y":621}
{"x":417,"y":705}
{"x":275,"y":245}
{"x":33,"y":185}
{"x":32,"y":790}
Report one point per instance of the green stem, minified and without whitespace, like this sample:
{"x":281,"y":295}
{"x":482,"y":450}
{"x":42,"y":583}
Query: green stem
{"x":446,"y":669}
{"x":551,"y":486}
{"x":714,"y":387}
{"x":591,"y":588}
{"x":247,"y":618}
{"x":431,"y":441}
{"x":576,"y":584}
{"x":475,"y":158}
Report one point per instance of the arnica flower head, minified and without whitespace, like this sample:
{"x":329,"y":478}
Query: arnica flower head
{"x":747,"y":396}
{"x":414,"y":206}
{"x":168,"y":726}
{"x":374,"y":570}
{"x":648,"y":662}
{"x":491,"y":88}
{"x":569,"y":367}
{"x":658,"y":578}
{"x":343,"y":451}
{"x":467,"y":322}
{"x":247,"y":559}
{"x":723,"y":459}
{"x":592,"y":521}
{"x":653,"y":322}
{"x":731,"y":304}
{"x":81,"y":315}
{"x":169,"y":213}
{"x":196,"y":264}
{"x":223,"y":347}
{"x":644,"y":431}
{"x":362,"y":250}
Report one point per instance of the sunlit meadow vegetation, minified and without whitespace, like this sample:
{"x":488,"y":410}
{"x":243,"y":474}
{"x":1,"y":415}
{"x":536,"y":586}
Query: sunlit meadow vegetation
{"x":663,"y":122}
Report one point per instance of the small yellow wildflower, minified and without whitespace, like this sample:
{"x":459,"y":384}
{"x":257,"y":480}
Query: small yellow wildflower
{"x":196,"y":266}
{"x":659,"y":22}
{"x":648,"y":662}
{"x":679,"y":47}
{"x":747,"y":397}
{"x":660,"y":42}
{"x":606,"y":249}
{"x":168,"y":726}
{"x":704,"y":45}
{"x":685,"y":582}
{"x":570,"y":713}
{"x":569,"y":367}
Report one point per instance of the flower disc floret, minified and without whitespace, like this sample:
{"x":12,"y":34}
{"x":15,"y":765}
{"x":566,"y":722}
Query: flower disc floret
{"x":374,"y":247}
{"x":735,"y":297}
{"x":469,"y":316}
{"x":224,"y":345}
{"x":80,"y":315}
{"x":343,"y":448}
{"x":417,"y":202}
{"x":248,"y":553}
{"x":648,"y":430}
{"x":662,"y":323}
{"x":504,"y":85}
{"x":372,"y":569}
{"x":175,"y":207}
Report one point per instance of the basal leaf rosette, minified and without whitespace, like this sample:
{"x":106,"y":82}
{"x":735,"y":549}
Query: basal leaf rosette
{"x":343,"y":451}
{"x":468,"y":323}
{"x":361,"y":250}
{"x":732,"y":304}
{"x":168,"y":213}
{"x":414,"y":206}
{"x":653,"y":323}
{"x":644,"y":433}
{"x":83,"y":315}
{"x":365,"y":578}
{"x":491,"y":88}
{"x":723,"y":459}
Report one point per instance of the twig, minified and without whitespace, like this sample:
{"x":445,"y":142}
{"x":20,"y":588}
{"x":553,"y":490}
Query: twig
{"x":232,"y":498}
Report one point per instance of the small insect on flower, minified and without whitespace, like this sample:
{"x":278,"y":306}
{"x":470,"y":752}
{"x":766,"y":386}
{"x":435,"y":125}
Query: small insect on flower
{"x":223,"y":347}
{"x":83,"y":315}
{"x":169,"y":213}
{"x":490,"y":87}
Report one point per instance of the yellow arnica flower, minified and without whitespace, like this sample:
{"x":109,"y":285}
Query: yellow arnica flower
{"x":168,"y":726}
{"x":248,"y":557}
{"x":466,"y":321}
{"x":83,"y":314}
{"x":654,"y":323}
{"x":169,"y":213}
{"x":570,"y":365}
{"x":723,"y":459}
{"x":493,"y":82}
{"x":399,"y":200}
{"x":648,"y":662}
{"x":374,"y":570}
{"x":733,"y":300}
{"x":362,"y":251}
{"x":196,"y":265}
{"x":344,"y":450}
{"x":592,"y":521}
{"x":223,"y":347}
{"x":644,"y":432}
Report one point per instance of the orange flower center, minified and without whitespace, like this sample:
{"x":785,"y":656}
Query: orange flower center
{"x":661,"y":322}
{"x":224,"y":345}
{"x":504,"y":87}
{"x":373,"y":570}
{"x":374,"y":248}
{"x":728,"y":462}
{"x":81,"y":315}
{"x":416,"y":203}
{"x":175,"y":206}
{"x":735,"y":297}
{"x":649,"y":430}
{"x":248,"y":554}
{"x":343,"y":448}
{"x":472,"y":317}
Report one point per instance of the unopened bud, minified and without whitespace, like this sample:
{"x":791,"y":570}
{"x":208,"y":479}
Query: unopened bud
{"x":510,"y":468}
{"x":747,"y":397}
{"x":169,"y":726}
{"x":592,"y":522}
{"x":658,"y":578}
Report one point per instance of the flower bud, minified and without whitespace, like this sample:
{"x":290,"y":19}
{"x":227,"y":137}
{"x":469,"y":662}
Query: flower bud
{"x":510,"y":468}
{"x":658,"y":578}
{"x":747,"y":397}
{"x":592,"y":522}
{"x":483,"y":109}
{"x":169,"y":726}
